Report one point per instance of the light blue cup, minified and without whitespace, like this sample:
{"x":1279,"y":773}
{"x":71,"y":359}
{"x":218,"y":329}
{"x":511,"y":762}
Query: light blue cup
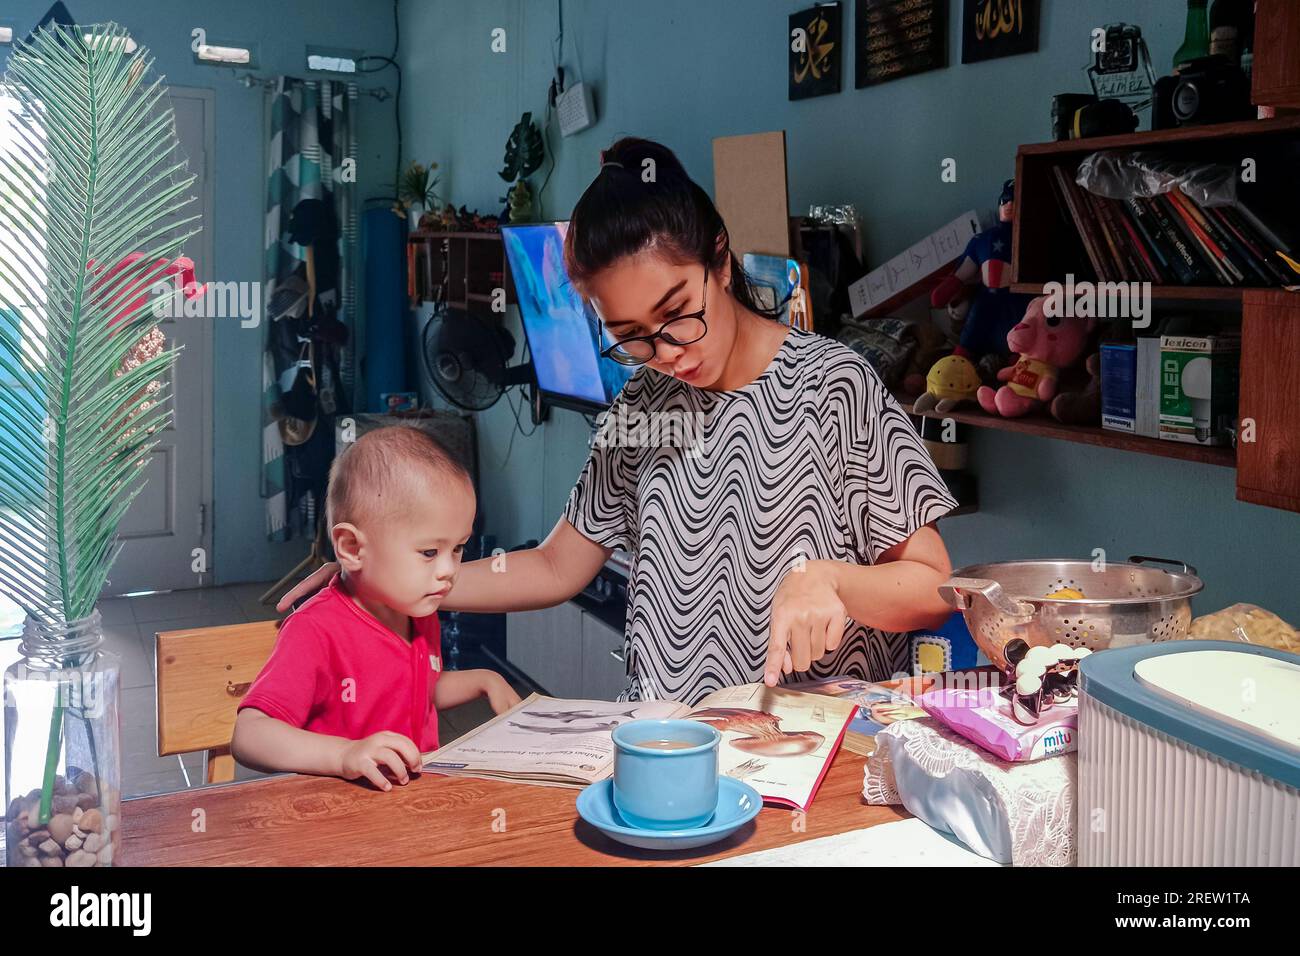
{"x":666,"y":789}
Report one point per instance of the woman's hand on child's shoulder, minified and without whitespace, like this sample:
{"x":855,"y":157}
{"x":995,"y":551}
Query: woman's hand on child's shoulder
{"x":308,"y":586}
{"x":498,"y":692}
{"x":369,"y":756}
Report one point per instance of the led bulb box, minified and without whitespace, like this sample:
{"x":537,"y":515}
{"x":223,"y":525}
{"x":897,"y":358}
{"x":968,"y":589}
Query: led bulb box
{"x":1198,"y":387}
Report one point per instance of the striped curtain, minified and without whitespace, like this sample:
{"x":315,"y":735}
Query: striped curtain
{"x":311,"y":154}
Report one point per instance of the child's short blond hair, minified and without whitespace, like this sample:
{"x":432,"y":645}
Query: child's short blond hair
{"x":376,"y":475}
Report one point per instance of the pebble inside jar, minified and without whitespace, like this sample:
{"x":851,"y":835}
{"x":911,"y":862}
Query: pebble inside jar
{"x":62,"y":793}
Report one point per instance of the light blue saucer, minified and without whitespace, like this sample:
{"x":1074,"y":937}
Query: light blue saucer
{"x":738,"y":803}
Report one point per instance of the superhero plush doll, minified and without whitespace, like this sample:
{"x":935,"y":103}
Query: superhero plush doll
{"x":984,"y":275}
{"x":981,"y":286}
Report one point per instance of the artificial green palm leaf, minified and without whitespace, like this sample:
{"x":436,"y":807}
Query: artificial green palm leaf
{"x":94,"y":204}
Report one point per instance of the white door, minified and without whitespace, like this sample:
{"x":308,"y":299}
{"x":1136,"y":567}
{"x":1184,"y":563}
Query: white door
{"x":170,"y":518}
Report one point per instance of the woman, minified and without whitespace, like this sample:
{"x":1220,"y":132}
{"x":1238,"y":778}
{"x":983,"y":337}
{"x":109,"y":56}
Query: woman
{"x":792,"y":532}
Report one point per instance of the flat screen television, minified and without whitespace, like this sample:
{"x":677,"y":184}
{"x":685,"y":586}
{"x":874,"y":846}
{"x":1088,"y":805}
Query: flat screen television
{"x":562,"y":330}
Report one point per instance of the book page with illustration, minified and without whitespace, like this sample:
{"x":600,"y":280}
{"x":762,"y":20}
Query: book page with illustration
{"x":543,"y":740}
{"x":777,"y":740}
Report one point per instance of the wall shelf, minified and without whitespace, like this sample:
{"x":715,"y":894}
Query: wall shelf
{"x":428,"y":235}
{"x":1161,"y":137}
{"x":1045,"y":426}
{"x":1043,"y":251}
{"x":1170,"y":293}
{"x":459,"y":268}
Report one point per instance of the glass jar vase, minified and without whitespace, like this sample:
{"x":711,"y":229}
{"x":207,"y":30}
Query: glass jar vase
{"x":62,"y":747}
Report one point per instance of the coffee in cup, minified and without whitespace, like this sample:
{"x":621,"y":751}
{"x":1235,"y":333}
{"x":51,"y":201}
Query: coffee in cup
{"x":665,"y":744}
{"x":666,"y":773}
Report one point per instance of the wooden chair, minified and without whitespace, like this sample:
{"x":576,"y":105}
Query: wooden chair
{"x":202,"y":674}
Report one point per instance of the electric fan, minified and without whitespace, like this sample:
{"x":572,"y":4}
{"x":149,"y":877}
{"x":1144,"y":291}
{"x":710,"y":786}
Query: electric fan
{"x":467,"y":359}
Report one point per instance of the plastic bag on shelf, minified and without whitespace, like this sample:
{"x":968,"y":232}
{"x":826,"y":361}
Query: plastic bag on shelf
{"x":1249,"y":623}
{"x":1124,"y":175}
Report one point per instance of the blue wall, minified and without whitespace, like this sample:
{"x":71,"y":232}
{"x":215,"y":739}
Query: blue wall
{"x":683,"y":72}
{"x":281,"y":29}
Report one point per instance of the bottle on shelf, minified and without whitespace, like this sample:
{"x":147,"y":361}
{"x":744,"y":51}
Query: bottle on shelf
{"x":1196,"y":37}
{"x":1232,"y":28}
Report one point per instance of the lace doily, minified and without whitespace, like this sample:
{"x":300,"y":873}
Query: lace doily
{"x":1035,"y":798}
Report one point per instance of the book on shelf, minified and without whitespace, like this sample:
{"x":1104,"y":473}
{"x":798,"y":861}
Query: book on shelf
{"x":1179,"y":261}
{"x":1245,"y":245}
{"x":1146,"y":259}
{"x":1143,"y":222}
{"x":1135,"y":268}
{"x":1121,"y":267}
{"x":1172,"y":239}
{"x":1195,"y":223}
{"x":777,"y":740}
{"x":1068,"y":201}
{"x":1281,"y":247}
{"x":1178,"y":241}
{"x":1069,"y":195}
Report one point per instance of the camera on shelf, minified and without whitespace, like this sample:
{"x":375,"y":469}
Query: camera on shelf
{"x":1209,"y":89}
{"x":1090,"y":117}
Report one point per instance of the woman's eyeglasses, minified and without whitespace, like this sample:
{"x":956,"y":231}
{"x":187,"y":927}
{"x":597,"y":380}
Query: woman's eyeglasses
{"x":682,"y":330}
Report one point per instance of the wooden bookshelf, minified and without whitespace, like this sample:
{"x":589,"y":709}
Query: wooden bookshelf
{"x":1044,"y":426}
{"x":1043,"y":250}
{"x":427,"y":235}
{"x":1168,"y":293}
{"x":469,"y":264}
{"x":1276,"y":77}
{"x":1267,"y":473}
{"x":1161,"y":137}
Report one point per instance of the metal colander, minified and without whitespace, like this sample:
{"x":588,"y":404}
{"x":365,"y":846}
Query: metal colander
{"x":1122,"y":603}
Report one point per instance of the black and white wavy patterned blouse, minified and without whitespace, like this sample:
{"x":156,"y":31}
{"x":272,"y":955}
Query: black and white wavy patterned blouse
{"x":813,"y":460}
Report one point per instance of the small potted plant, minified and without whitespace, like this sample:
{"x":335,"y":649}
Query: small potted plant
{"x":525,"y":151}
{"x":416,"y":193}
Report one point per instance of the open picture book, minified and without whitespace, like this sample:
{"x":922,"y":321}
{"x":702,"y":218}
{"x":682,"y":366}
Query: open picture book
{"x":878,"y":706}
{"x":777,"y":740}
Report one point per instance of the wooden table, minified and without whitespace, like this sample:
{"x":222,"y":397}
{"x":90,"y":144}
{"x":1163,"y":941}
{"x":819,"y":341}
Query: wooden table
{"x":437,"y":821}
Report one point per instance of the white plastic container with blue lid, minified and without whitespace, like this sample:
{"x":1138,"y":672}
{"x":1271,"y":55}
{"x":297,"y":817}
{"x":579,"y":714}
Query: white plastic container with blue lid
{"x":1189,"y":755}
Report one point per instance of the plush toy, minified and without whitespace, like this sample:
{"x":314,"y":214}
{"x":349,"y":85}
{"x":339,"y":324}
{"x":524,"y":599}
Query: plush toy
{"x":952,"y":380}
{"x":979,"y":300}
{"x":984,"y":277}
{"x":1081,"y":406}
{"x":1046,"y":345}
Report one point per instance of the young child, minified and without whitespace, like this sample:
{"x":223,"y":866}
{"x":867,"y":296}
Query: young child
{"x":354,"y":684}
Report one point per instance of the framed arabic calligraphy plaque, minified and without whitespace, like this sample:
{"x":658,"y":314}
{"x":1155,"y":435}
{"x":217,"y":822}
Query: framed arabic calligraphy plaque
{"x":816,"y":51}
{"x":895,"y":38}
{"x":994,"y":28}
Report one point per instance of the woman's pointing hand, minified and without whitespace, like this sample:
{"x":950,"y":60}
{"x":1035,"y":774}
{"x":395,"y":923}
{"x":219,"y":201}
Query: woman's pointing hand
{"x":807,"y":619}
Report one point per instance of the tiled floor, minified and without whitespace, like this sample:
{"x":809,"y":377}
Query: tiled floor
{"x":129,"y":628}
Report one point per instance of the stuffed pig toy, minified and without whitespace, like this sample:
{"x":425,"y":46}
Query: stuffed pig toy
{"x":1045,"y":346}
